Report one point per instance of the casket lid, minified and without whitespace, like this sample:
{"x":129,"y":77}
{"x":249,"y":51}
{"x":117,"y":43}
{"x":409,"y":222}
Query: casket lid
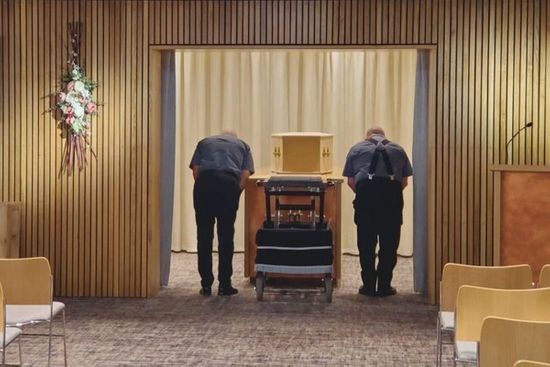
{"x":303,"y":133}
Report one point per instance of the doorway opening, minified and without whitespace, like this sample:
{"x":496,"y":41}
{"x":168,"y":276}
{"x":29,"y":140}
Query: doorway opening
{"x":261,"y":91}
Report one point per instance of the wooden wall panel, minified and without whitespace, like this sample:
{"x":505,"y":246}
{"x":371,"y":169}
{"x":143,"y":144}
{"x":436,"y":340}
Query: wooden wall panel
{"x":93,"y":225}
{"x":492,"y":69}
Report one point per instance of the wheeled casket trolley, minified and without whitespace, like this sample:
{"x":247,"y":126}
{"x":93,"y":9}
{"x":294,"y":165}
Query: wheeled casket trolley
{"x":295,"y":238}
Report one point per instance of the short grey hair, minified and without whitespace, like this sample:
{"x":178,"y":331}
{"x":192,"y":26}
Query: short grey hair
{"x":229,"y":131}
{"x":376,"y":130}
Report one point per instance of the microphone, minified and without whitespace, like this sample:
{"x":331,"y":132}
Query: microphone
{"x":529,"y":124}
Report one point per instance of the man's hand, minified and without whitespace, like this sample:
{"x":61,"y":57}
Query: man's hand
{"x":244,"y":176}
{"x":405,"y":182}
{"x":351,"y":183}
{"x":196,"y":172}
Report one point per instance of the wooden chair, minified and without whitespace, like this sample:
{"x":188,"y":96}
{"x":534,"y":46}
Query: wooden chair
{"x":524,"y":363}
{"x":456,"y":275}
{"x":474,"y":304}
{"x":28,"y":287}
{"x":544,"y":277}
{"x":9,"y":334}
{"x":504,"y":341}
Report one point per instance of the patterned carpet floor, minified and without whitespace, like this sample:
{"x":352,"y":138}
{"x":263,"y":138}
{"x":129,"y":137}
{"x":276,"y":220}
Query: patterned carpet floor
{"x":291,"y":327}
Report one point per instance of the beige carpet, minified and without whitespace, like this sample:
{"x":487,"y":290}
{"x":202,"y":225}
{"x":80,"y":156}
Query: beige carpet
{"x":293,"y":327}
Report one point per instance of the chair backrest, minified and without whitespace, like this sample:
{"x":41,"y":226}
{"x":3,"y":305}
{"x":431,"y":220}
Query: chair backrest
{"x":504,"y":277}
{"x":505,"y":341}
{"x":474,"y":304}
{"x":524,"y":363}
{"x":26,"y":281}
{"x":544,"y":277}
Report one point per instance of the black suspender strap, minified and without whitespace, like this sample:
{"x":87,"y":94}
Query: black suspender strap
{"x":387,"y":162}
{"x":373,"y":164}
{"x":385,"y":157}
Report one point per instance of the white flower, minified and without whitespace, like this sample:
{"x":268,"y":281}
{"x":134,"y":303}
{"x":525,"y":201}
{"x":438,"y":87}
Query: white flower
{"x":76,"y":102}
{"x":79,"y":87}
{"x":78,"y":110}
{"x":70,"y":98}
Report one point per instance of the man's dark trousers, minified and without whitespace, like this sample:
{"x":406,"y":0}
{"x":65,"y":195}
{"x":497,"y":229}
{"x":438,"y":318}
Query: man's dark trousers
{"x":216,"y":197}
{"x":378,"y":215}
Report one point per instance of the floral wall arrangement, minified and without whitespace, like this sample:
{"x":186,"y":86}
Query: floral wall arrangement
{"x":75,"y":105}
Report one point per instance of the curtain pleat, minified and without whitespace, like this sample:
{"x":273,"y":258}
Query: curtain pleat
{"x":261,"y":92}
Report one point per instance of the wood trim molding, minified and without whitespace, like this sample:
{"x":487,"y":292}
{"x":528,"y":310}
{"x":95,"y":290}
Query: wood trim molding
{"x":496,"y":217}
{"x":519,"y":168}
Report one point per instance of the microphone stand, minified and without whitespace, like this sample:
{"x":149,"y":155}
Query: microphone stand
{"x":527,"y":125}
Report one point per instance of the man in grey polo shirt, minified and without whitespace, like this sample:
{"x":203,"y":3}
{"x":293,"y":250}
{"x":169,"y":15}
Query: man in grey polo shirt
{"x":221,"y":164}
{"x":377,"y":171}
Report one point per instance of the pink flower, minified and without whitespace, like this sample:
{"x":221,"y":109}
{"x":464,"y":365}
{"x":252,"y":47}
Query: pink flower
{"x":68,"y":110}
{"x":70,"y":86}
{"x":69,"y":119}
{"x":91,"y":107}
{"x":61,"y":96}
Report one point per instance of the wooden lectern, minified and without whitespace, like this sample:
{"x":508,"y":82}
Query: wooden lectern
{"x":522,"y":215}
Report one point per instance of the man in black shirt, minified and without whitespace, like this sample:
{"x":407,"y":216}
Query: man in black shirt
{"x":221,"y":164}
{"x":377,"y":171}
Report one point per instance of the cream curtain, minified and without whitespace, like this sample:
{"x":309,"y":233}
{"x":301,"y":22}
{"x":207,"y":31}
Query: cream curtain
{"x":261,"y":92}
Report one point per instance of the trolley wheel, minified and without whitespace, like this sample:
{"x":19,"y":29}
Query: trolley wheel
{"x":260,"y":285}
{"x":328,"y":287}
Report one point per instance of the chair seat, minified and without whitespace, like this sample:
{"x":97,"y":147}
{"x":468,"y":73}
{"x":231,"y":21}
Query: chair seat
{"x":466,"y":351}
{"x":19,"y":315}
{"x":11,"y":334}
{"x":447,"y":320}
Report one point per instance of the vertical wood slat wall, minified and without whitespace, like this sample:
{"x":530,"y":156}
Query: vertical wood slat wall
{"x":92,"y":226}
{"x":492,"y":71}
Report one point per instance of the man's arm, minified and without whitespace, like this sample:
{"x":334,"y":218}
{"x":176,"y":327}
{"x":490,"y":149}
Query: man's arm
{"x":351,"y":183}
{"x":407,"y":170}
{"x":245,"y":174}
{"x":196,"y":171}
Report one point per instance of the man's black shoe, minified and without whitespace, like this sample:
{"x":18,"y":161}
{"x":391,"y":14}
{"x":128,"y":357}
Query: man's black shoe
{"x":386,"y":292}
{"x":205,"y":291}
{"x":227,"y":291}
{"x":367,"y":292}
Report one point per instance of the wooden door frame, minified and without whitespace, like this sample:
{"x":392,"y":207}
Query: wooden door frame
{"x":155,"y":146}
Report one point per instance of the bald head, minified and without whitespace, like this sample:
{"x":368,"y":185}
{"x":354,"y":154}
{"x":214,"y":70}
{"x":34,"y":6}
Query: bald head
{"x":229,"y":131}
{"x":377,"y":130}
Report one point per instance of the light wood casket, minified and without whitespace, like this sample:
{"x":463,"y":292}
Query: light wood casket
{"x":308,"y":152}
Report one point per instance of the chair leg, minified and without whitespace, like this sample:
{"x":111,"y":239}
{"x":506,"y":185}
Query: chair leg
{"x":64,"y":340}
{"x":454,"y":349}
{"x":4,"y":343}
{"x":50,"y":344}
{"x":20,"y":352}
{"x":439,"y":346}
